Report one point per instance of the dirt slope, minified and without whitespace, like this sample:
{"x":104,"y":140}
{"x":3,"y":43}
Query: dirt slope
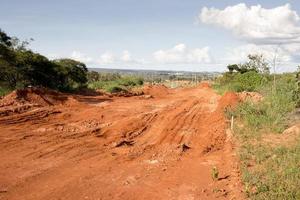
{"x":101,"y":147}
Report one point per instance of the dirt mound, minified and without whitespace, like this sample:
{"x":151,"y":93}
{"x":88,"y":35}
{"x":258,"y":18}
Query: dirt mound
{"x":156,"y":90}
{"x":35,"y":96}
{"x":252,"y":96}
{"x":229,"y":100}
{"x":204,"y":84}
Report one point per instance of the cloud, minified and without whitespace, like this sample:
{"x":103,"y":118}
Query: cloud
{"x":126,"y":56}
{"x":76,"y":55}
{"x":256,"y":24}
{"x":239,"y":54}
{"x":180,"y":54}
{"x":124,"y":59}
{"x":106,"y":58}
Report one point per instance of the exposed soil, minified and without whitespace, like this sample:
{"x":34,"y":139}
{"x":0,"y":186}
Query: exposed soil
{"x":255,"y":97}
{"x":163,"y":146}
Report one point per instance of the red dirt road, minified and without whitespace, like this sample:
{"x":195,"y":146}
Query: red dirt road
{"x":100,"y":147}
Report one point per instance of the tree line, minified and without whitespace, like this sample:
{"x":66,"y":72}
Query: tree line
{"x":21,"y":67}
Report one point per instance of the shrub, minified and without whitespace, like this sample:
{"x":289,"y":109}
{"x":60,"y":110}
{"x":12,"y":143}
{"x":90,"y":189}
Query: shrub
{"x":249,"y":81}
{"x":130,"y":81}
{"x":237,"y":82}
{"x":114,"y":89}
{"x":118,"y":85}
{"x":4,"y":91}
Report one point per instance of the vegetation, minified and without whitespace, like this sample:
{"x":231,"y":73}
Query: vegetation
{"x":113,"y":83}
{"x":269,"y":171}
{"x":275,"y":172}
{"x":4,"y":91}
{"x":20,"y":67}
{"x":215,"y":173}
{"x":249,"y":76}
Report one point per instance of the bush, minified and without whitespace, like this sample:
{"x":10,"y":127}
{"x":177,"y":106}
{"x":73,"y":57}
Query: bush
{"x":249,"y":81}
{"x":118,"y":85}
{"x":4,"y":91}
{"x":237,"y":82}
{"x":114,"y":89}
{"x":130,"y":81}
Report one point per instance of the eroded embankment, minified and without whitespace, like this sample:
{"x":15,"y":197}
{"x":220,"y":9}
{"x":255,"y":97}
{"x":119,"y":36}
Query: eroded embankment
{"x":101,"y":147}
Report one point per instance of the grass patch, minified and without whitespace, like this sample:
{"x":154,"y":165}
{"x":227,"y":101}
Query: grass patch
{"x":118,"y":85}
{"x":275,"y":173}
{"x":268,"y":171}
{"x":4,"y":91}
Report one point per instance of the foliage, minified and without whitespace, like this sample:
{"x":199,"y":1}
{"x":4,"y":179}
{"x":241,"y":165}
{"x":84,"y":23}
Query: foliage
{"x":274,"y":172}
{"x":237,"y":82}
{"x":20,"y":67}
{"x":115,"y":88}
{"x":298,"y":84}
{"x":72,"y":74}
{"x":92,"y":76}
{"x":268,"y":172}
{"x":116,"y":84}
{"x":95,"y":76}
{"x":249,"y":76}
{"x":33,"y":69}
{"x":232,"y":68}
{"x":249,"y":81}
{"x":256,"y":63}
{"x":4,"y":91}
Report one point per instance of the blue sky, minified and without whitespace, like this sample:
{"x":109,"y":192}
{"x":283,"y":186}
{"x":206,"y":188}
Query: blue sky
{"x":156,"y":34}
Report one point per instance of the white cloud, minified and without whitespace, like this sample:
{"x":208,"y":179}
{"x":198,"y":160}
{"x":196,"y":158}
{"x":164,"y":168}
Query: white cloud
{"x":124,"y":59}
{"x":180,"y":54}
{"x":255,"y":23}
{"x":284,"y":59}
{"x":76,"y":55}
{"x":106,"y":58}
{"x":126,"y":56}
{"x":239,"y":54}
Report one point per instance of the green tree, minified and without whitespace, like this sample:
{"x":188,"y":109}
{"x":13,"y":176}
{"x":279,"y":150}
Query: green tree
{"x":257,"y":63}
{"x":35,"y":69}
{"x":249,"y":81}
{"x":233,"y":67}
{"x":5,"y":39}
{"x":72,"y":74}
{"x":21,"y":67}
{"x":7,"y":61}
{"x":93,"y":76}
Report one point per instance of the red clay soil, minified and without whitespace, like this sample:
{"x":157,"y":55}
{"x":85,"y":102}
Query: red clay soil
{"x":156,"y":90}
{"x":101,"y":147}
{"x":205,"y":84}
